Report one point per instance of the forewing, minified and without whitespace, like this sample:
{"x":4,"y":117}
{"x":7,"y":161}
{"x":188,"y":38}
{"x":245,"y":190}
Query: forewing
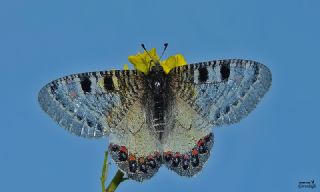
{"x":91,"y":104}
{"x":222,"y":91}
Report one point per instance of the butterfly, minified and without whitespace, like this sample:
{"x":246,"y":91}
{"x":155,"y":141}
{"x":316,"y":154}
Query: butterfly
{"x":161,"y":113}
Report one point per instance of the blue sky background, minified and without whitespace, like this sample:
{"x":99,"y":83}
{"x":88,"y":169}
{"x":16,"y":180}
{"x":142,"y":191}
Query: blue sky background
{"x":272,"y":149}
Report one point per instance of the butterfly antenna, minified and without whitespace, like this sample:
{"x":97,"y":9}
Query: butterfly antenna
{"x":144,"y":48}
{"x":164,"y":49}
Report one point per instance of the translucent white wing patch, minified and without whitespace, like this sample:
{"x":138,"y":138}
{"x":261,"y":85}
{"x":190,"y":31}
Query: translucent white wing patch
{"x":136,"y":148}
{"x":186,"y":148}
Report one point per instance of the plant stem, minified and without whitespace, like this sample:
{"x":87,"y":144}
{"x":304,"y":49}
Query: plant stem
{"x":117,"y":179}
{"x":104,"y":174}
{"x":115,"y":182}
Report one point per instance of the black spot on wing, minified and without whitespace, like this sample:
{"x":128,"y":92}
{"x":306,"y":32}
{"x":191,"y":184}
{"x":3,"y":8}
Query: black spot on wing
{"x":133,"y":166}
{"x":256,"y":73}
{"x":53,"y":88}
{"x":227,"y":109}
{"x":203,"y":74}
{"x":225,"y":71}
{"x":85,"y":85}
{"x":90,"y":123}
{"x":108,"y":83}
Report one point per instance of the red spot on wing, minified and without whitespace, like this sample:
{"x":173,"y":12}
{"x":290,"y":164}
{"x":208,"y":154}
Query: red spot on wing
{"x":141,"y":160}
{"x":73,"y":94}
{"x":200,"y":142}
{"x":124,"y":149}
{"x":132,"y":157}
{"x":177,"y":154}
{"x":195,"y":152}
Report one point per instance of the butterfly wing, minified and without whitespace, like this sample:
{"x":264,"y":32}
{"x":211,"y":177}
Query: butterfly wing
{"x":91,"y":104}
{"x":207,"y":95}
{"x":107,"y":103}
{"x":136,"y":149}
{"x":223,"y":91}
{"x":186,"y":147}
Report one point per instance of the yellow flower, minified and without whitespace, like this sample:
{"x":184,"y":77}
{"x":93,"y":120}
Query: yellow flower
{"x":143,"y":62}
{"x":125,"y":67}
{"x":172,"y":62}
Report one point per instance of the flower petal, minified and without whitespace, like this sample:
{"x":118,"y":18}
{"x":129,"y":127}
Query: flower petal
{"x":139,"y":63}
{"x":172,"y":62}
{"x":125,"y":67}
{"x":153,"y":54}
{"x":143,"y":61}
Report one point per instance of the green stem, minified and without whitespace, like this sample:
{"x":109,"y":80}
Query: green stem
{"x":117,"y":179}
{"x":104,"y":174}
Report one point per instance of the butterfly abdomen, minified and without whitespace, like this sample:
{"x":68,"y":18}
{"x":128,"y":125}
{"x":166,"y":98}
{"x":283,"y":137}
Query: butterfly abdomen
{"x":158,"y":112}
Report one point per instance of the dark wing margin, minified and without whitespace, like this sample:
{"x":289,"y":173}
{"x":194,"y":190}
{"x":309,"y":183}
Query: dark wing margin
{"x":221,"y":91}
{"x":91,"y":104}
